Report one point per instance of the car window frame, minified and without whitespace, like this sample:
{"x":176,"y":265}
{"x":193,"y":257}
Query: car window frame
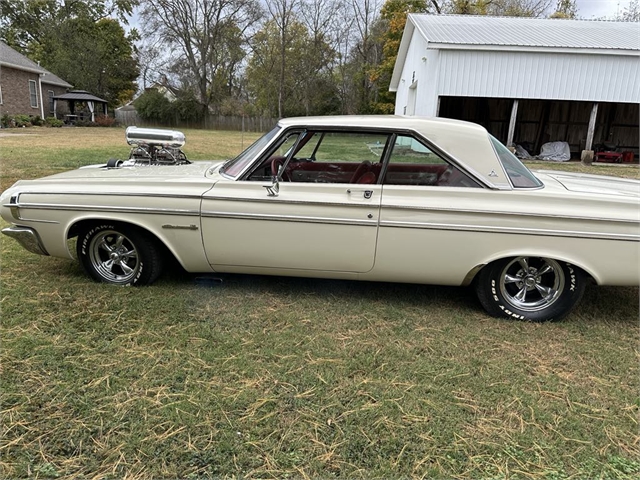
{"x":302,"y":131}
{"x":392,"y":132}
{"x":434,"y":149}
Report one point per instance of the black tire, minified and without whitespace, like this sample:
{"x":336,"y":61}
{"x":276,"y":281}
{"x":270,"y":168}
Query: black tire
{"x":114,"y":163}
{"x":530,"y":288}
{"x":119,"y":254}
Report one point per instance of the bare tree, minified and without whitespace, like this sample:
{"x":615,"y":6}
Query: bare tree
{"x":282,"y":13}
{"x":519,"y":8}
{"x":631,"y":13}
{"x":207,"y":35}
{"x":366,"y":51}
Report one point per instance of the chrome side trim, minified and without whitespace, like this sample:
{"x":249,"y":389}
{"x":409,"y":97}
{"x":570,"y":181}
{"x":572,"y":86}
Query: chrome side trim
{"x":27,"y":237}
{"x":517,"y":214}
{"x":180,"y":227}
{"x":119,"y":194}
{"x":105,"y":208}
{"x":290,"y":218}
{"x":512,"y":230}
{"x":294,"y":202}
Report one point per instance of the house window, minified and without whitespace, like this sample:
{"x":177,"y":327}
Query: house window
{"x":33,"y":93}
{"x":51,"y":94}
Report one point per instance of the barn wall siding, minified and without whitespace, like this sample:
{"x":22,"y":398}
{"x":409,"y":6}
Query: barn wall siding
{"x":554,"y":76}
{"x":425,"y":98}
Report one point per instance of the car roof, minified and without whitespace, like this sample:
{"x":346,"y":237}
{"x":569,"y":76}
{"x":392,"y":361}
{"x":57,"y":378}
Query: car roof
{"x":468,"y":143}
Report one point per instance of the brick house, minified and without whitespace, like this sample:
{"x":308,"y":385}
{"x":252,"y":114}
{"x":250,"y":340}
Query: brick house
{"x":25,"y":87}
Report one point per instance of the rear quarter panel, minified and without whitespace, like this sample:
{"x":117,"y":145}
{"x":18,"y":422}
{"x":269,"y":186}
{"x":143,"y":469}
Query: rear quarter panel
{"x":440,"y":234}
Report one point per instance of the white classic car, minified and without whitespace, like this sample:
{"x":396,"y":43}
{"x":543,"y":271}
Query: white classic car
{"x":380,"y":198}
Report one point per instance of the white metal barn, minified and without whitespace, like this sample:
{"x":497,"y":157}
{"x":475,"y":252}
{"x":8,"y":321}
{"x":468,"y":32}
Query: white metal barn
{"x":526,"y":80}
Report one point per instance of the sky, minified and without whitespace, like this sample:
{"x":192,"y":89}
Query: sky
{"x":590,"y":9}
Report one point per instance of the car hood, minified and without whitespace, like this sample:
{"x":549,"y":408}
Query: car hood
{"x":595,"y":184}
{"x":195,"y":169}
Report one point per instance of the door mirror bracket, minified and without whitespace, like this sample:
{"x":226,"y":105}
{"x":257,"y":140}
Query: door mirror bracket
{"x":274,"y":188}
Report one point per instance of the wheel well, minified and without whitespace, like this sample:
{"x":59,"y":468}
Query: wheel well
{"x":81,"y":225}
{"x":472,"y":276}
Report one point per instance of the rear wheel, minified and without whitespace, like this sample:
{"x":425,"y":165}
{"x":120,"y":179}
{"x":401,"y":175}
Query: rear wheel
{"x":119,"y":254}
{"x":530,"y":288}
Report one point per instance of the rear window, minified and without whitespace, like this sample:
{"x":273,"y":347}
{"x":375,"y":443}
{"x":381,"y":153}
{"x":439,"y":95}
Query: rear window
{"x":520,"y":176}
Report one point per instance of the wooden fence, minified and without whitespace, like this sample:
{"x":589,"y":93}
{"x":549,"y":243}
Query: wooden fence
{"x":211,"y":122}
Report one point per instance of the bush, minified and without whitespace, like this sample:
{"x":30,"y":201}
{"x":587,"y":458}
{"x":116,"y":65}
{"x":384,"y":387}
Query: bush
{"x":154,"y":106}
{"x":53,"y":122}
{"x":85,"y":123}
{"x":36,"y":121}
{"x":21,"y":120}
{"x":6,"y":121}
{"x":105,"y":121}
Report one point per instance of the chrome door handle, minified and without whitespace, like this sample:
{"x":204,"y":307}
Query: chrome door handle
{"x":365,"y":193}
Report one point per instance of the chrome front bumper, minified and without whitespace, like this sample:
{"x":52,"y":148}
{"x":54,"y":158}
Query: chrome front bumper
{"x":27,"y":237}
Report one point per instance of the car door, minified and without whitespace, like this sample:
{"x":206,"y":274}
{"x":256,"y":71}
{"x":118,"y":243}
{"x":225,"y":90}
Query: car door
{"x":319,"y":217}
{"x":424,"y":201}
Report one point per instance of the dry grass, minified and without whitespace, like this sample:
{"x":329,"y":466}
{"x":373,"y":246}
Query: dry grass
{"x":265,"y":377}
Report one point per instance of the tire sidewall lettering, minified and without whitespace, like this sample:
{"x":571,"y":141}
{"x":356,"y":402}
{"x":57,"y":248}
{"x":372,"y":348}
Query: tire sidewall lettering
{"x":570,"y":294}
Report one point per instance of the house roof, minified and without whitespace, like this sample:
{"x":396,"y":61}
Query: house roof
{"x":79,"y":95}
{"x":12,"y":59}
{"x":51,"y":79}
{"x":527,"y":32}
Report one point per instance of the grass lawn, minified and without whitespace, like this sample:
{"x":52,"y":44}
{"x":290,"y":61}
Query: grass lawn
{"x":275,"y":377}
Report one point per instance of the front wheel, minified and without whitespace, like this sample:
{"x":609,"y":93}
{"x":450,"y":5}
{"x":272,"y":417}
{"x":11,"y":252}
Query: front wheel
{"x":119,"y":254}
{"x":530,"y":288}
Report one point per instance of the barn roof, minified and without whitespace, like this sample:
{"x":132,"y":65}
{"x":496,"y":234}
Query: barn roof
{"x":527,"y":32}
{"x":517,"y":34}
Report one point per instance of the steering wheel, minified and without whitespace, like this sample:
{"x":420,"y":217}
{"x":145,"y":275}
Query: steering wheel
{"x":276,"y":163}
{"x":444,"y":177}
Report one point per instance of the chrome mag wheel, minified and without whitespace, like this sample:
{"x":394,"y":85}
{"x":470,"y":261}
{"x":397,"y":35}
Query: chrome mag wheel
{"x":531,"y":284}
{"x":114,"y":257}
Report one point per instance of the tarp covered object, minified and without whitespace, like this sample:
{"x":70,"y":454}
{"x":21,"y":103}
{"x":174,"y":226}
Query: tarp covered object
{"x":556,"y":151}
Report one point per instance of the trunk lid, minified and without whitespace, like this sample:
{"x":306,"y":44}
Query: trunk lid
{"x":595,"y":184}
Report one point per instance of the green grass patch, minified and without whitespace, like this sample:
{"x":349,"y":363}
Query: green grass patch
{"x":272,"y":377}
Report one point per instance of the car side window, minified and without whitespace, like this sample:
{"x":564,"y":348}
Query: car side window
{"x":411,"y":162}
{"x":326,"y":157}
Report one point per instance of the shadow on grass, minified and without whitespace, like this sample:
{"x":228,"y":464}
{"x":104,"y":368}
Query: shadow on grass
{"x":601,"y":304}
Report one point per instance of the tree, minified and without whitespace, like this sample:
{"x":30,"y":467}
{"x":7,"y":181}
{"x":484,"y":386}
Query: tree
{"x":153,"y":105}
{"x":282,"y":13}
{"x":518,"y":8}
{"x":94,"y":56}
{"x":28,"y":26}
{"x":302,"y":94}
{"x":79,"y":41}
{"x":565,"y":9}
{"x":631,"y":13}
{"x":366,"y":53}
{"x":208,"y":38}
{"x":394,"y":17}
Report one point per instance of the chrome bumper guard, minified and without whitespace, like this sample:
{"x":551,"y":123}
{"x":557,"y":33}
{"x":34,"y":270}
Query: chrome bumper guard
{"x":27,"y":237}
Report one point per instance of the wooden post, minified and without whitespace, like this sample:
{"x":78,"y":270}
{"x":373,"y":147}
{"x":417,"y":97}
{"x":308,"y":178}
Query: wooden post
{"x":512,"y":123}
{"x":587,"y":154}
{"x":592,"y":127}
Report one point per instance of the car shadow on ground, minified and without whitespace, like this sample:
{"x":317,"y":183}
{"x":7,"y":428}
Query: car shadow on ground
{"x":609,"y":304}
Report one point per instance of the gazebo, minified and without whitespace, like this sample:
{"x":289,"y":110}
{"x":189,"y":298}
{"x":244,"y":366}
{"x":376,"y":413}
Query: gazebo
{"x":79,"y":96}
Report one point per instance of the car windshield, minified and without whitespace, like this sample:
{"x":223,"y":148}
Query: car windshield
{"x":520,"y":176}
{"x":236,"y":166}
